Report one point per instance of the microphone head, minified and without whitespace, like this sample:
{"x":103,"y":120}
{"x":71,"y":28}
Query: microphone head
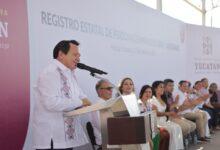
{"x":80,"y":65}
{"x":91,"y":69}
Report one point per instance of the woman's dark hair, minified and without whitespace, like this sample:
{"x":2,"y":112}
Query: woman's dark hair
{"x":63,"y":46}
{"x":143,"y":90}
{"x":155,"y":85}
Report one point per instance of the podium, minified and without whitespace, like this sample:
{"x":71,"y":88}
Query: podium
{"x":122,"y":126}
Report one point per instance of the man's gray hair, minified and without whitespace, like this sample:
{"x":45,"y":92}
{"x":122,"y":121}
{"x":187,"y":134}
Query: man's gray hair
{"x":99,"y":83}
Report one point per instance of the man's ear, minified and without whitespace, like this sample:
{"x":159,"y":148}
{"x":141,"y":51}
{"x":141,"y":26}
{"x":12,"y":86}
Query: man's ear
{"x":60,"y":55}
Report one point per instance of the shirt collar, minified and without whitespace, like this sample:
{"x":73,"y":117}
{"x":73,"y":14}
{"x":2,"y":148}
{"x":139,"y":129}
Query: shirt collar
{"x":60,"y":65}
{"x":102,"y":100}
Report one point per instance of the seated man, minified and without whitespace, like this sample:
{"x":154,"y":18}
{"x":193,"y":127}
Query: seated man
{"x":186,"y":109}
{"x":104,"y":91}
{"x":186,"y":125}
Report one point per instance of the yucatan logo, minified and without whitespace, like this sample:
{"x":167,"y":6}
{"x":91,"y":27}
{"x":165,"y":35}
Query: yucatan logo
{"x":207,"y":45}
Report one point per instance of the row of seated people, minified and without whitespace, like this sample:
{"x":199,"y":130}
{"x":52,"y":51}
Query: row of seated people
{"x":185,"y":113}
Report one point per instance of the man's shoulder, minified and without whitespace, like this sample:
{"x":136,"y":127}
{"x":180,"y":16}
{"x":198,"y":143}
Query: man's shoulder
{"x":50,"y":69}
{"x":178,"y":92}
{"x":98,"y":100}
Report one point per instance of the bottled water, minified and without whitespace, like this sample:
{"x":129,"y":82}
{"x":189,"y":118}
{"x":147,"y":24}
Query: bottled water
{"x":186,"y":143}
{"x":149,"y":106}
{"x":195,"y":139}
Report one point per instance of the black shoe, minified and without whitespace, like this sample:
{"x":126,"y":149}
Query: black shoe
{"x":203,"y":139}
{"x":208,"y":138}
{"x":212,"y":132}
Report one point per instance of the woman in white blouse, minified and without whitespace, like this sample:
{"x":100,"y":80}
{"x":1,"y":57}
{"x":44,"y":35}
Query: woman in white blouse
{"x":145,"y":98}
{"x":176,"y":137}
{"x":126,"y":87}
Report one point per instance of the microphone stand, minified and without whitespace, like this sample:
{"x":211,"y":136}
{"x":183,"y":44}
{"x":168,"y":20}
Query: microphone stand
{"x":101,"y":78}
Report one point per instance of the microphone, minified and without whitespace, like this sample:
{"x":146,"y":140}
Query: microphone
{"x":91,"y":69}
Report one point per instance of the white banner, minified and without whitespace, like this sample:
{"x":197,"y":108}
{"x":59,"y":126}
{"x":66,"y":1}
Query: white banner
{"x":203,"y":53}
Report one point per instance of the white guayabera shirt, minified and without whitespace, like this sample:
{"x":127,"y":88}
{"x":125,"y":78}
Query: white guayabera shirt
{"x":50,"y":104}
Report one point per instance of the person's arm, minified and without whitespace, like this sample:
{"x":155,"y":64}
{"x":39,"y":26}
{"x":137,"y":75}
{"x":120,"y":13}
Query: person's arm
{"x":186,"y":105}
{"x":176,"y":100}
{"x":96,"y":124}
{"x":160,"y":114}
{"x":48,"y":87}
{"x":86,"y":102}
{"x":201,"y":99}
{"x":83,"y":97}
{"x":168,"y":114}
{"x":182,"y":107}
{"x":209,"y":105}
{"x":174,"y":104}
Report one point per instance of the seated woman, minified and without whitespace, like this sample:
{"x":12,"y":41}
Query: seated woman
{"x":215,"y":101}
{"x":176,"y":137}
{"x":145,"y":97}
{"x":126,"y":87}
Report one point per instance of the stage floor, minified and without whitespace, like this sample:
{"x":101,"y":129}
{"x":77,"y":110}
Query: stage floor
{"x":214,"y":143}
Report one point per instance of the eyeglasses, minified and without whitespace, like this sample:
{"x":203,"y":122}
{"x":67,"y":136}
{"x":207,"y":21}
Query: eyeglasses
{"x":107,"y":88}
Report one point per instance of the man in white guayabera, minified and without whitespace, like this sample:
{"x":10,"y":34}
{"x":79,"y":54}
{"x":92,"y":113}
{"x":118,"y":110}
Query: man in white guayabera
{"x":57,"y":91}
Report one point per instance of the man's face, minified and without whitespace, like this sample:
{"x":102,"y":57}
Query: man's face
{"x":205,"y":83}
{"x":70,"y":59}
{"x":184,"y":87}
{"x":105,"y":91}
{"x":198,"y":86}
{"x":169,"y":87}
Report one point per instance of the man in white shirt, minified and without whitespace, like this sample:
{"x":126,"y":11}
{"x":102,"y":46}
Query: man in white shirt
{"x":186,"y":125}
{"x":104,"y":91}
{"x":186,"y":107}
{"x":57,"y":91}
{"x":207,"y":106}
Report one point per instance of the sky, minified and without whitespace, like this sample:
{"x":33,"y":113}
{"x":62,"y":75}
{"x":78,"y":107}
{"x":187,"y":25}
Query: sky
{"x":180,"y":10}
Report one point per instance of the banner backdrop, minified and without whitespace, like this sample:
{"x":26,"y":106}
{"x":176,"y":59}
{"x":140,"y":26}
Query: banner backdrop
{"x":203,"y":53}
{"x":132,"y":40}
{"x":14,"y":73}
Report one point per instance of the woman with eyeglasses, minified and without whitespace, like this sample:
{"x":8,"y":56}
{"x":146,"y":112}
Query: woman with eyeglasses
{"x":164,"y":137}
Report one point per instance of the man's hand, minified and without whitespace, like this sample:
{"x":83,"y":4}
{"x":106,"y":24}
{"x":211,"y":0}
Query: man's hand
{"x":154,"y":107}
{"x":86,"y":102}
{"x":176,"y":99}
{"x":205,"y":97}
{"x":187,"y":103}
{"x":172,"y":114}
